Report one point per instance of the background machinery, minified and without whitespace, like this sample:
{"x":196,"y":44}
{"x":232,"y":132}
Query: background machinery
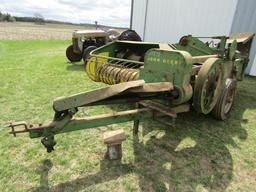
{"x":84,"y":41}
{"x":159,"y":80}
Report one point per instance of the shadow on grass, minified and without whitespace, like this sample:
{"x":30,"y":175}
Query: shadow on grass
{"x":43,"y":170}
{"x":109,"y":170}
{"x":188,"y":156}
{"x":191,"y":155}
{"x":75,"y":66}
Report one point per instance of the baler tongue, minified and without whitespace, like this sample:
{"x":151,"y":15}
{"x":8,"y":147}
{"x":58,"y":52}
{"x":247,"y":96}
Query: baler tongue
{"x":80,"y":99}
{"x":66,"y":107}
{"x":124,"y":90}
{"x":22,"y":127}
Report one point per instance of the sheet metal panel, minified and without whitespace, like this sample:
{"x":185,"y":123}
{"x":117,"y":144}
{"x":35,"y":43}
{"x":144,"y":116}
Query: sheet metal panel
{"x":253,"y":67}
{"x":244,"y":20}
{"x":168,"y":20}
{"x":138,"y":16}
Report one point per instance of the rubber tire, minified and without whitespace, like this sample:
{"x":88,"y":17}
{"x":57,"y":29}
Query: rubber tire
{"x":129,"y":35}
{"x":218,"y":111}
{"x":73,"y":57}
{"x":86,"y":52}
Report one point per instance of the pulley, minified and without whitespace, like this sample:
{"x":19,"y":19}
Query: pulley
{"x":208,"y":85}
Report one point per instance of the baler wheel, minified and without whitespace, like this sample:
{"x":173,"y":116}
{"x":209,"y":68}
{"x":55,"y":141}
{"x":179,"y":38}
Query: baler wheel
{"x":222,"y":109}
{"x":71,"y":55}
{"x":208,"y":85}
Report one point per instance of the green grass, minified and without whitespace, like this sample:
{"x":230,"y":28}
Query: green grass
{"x":199,"y":154}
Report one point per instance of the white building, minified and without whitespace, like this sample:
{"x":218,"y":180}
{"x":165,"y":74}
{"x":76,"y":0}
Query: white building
{"x":169,"y":20}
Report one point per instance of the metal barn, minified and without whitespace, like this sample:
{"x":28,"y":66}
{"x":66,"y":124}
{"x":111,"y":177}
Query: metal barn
{"x":168,"y":20}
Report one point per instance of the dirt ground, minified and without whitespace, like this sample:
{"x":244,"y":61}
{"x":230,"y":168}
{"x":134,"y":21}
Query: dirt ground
{"x":26,"y":30}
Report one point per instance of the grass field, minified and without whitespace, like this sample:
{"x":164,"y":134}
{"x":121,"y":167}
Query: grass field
{"x":199,"y":154}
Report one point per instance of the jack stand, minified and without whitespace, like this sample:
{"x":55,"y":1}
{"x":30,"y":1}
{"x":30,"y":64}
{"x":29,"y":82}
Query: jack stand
{"x":113,"y":140}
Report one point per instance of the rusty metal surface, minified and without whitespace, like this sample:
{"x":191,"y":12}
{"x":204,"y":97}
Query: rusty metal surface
{"x":22,"y":127}
{"x":159,"y":107}
{"x":64,"y":103}
{"x":152,"y":87}
{"x":202,"y":59}
{"x":242,"y":37}
{"x":208,"y":85}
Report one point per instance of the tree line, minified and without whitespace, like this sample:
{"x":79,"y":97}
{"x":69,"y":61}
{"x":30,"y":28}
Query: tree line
{"x":38,"y":18}
{"x":6,"y":17}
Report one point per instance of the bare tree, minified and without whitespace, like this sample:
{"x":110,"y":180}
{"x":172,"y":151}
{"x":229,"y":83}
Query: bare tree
{"x":1,"y":17}
{"x":96,"y":24}
{"x":39,"y":19}
{"x":6,"y":17}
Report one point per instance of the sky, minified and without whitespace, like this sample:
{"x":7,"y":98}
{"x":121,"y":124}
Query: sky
{"x":106,"y":12}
